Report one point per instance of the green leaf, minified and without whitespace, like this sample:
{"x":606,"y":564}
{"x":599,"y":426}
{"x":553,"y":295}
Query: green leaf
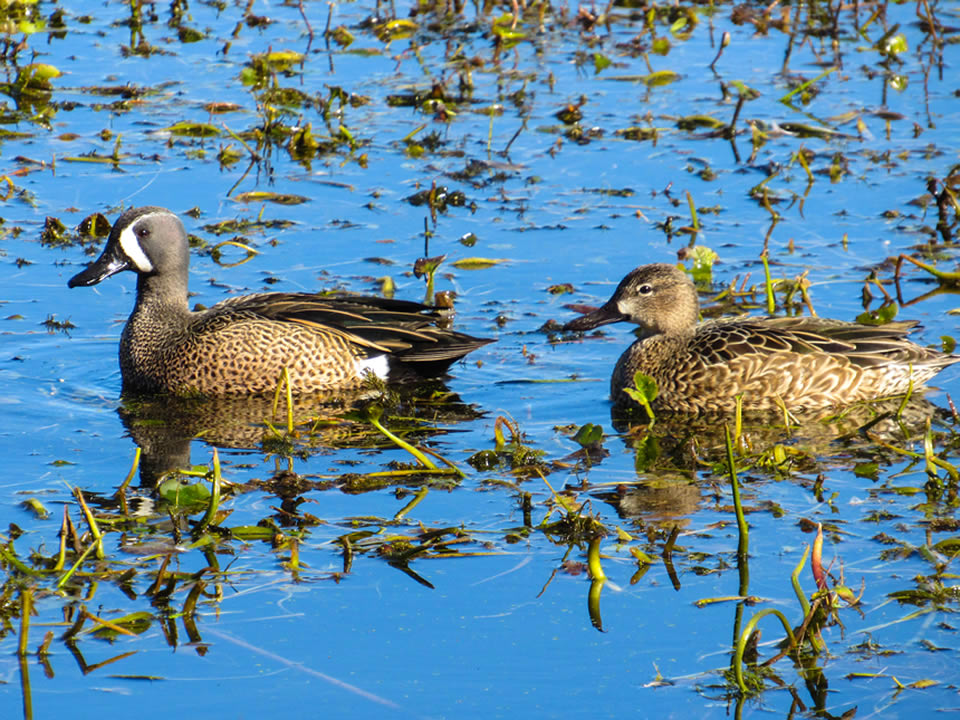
{"x":283,"y":59}
{"x":137,"y":623}
{"x":264,"y":196}
{"x":647,"y":452}
{"x":895,"y":45}
{"x":36,"y":507}
{"x":189,"y":34}
{"x":182,"y":495}
{"x":880,"y":316}
{"x":42,"y":71}
{"x":477,"y":263}
{"x":661,"y":77}
{"x":661,"y":46}
{"x":341,"y":36}
{"x":193,"y":129}
{"x":692,"y":122}
{"x":745,"y":90}
{"x":253,"y":532}
{"x":645,"y":385}
{"x":589,"y":435}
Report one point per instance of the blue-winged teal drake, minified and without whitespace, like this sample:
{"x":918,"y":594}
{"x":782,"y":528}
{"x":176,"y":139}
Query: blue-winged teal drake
{"x":241,"y":345}
{"x":805,"y":363}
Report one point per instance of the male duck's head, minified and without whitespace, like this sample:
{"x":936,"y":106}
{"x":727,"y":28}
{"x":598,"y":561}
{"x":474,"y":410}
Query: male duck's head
{"x":147,"y":240}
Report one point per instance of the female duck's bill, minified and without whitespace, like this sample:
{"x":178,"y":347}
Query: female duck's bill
{"x":802,"y":363}
{"x":241,"y":345}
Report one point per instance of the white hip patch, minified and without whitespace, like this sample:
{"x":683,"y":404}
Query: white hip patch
{"x":379,"y":365}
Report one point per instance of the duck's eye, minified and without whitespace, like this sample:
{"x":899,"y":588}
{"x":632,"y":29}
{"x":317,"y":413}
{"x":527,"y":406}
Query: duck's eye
{"x":646,"y":289}
{"x":142,"y":232}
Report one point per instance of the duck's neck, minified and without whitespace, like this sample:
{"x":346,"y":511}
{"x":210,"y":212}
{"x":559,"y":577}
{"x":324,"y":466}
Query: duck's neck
{"x":161,"y":298}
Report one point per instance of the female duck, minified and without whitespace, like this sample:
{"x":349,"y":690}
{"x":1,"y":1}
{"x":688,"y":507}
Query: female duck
{"x":241,"y":345}
{"x":803,"y":363}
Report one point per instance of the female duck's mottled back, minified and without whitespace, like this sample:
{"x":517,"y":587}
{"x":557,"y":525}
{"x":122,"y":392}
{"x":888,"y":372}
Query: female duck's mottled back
{"x":241,"y":345}
{"x":805,"y":363}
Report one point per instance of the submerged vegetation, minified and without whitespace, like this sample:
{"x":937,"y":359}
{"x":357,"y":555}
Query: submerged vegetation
{"x":492,"y":152}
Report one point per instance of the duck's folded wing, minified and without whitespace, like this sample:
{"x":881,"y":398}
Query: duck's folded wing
{"x":862,"y":345}
{"x":408,"y":331}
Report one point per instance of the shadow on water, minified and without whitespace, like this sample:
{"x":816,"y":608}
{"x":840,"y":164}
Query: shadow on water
{"x":164,"y":428}
{"x":671,"y":454}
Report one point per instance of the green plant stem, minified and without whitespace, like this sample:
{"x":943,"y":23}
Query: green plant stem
{"x":593,"y":560}
{"x":745,"y":636}
{"x":771,"y":301}
{"x":420,"y":495}
{"x":423,"y":459}
{"x":214,"y":505}
{"x":83,"y":556}
{"x":803,"y":86}
{"x":743,"y":545}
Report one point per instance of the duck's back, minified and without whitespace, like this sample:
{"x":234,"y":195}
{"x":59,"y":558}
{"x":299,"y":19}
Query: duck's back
{"x":805,"y":362}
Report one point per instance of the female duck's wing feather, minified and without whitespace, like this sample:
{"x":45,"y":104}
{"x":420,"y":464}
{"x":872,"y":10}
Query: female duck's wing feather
{"x":862,"y":345}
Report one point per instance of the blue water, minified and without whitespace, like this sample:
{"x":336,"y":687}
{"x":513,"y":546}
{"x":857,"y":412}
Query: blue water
{"x":496,"y":637}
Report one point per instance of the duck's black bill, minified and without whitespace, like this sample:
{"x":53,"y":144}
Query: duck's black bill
{"x":603,"y":315}
{"x":109,"y":263}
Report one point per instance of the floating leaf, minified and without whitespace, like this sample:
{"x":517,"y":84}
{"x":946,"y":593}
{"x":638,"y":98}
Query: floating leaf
{"x":36,"y":507}
{"x":283,"y":59}
{"x":182,"y":495}
{"x":396,"y":29}
{"x":503,"y":27}
{"x":638,"y":133}
{"x":341,"y":36}
{"x":807,"y":131}
{"x":43,"y":71}
{"x":134,"y":623}
{"x":684,"y":25}
{"x":253,"y":532}
{"x":264,"y":196}
{"x":898,"y":82}
{"x":189,"y":129}
{"x":692,"y":122}
{"x":477,"y":263}
{"x":661,"y":46}
{"x":189,"y":35}
{"x":894,"y":44}
{"x":94,"y":226}
{"x":222,"y":107}
{"x":589,"y":435}
{"x":744,"y":90}
{"x":661,"y":77}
